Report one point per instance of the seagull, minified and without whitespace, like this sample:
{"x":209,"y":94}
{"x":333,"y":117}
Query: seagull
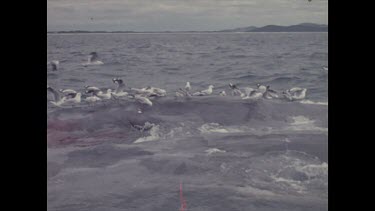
{"x":295,"y":93}
{"x":105,"y":96}
{"x":93,"y":59}
{"x":261,"y":88}
{"x":54,"y":65}
{"x":179,"y":94}
{"x":182,"y":93}
{"x":68,"y":92}
{"x":269,"y":93}
{"x":142,"y":100}
{"x":325,"y":68}
{"x":222,"y":93}
{"x":58,"y":101}
{"x":56,"y":95}
{"x":187,"y":87}
{"x":92,"y":90}
{"x":119,"y":92}
{"x":156,"y":92}
{"x":205,"y":92}
{"x":235,"y":90}
{"x":143,"y":91}
{"x":251,"y":93}
{"x":120,"y":84}
{"x":92,"y":99}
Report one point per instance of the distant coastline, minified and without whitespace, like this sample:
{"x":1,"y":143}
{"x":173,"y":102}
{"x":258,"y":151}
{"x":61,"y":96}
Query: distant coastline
{"x":303,"y":27}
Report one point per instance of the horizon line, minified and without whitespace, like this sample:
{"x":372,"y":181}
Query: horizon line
{"x":169,"y":31}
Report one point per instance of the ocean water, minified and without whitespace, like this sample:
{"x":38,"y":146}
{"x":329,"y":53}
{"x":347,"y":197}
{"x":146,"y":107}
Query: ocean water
{"x":228,"y":153}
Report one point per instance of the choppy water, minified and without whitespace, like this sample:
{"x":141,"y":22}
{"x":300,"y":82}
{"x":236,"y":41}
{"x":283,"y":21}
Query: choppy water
{"x":230,"y":154}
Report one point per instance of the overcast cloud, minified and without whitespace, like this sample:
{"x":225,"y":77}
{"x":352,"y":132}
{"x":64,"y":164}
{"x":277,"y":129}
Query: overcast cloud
{"x":180,"y":15}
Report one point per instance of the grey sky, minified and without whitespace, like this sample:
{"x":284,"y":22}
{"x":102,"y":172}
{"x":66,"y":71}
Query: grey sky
{"x":160,"y":15}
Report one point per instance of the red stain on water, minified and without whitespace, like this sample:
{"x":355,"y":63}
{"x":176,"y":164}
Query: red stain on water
{"x":182,"y":199}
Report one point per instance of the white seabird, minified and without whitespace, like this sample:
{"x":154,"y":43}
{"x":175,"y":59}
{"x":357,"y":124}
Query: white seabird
{"x":295,"y":93}
{"x":119,"y":92}
{"x":93,"y":59}
{"x":205,"y":92}
{"x":150,"y":91}
{"x":55,"y":65}
{"x":182,"y":93}
{"x":269,"y":93}
{"x":156,"y":92}
{"x":142,"y":100}
{"x":222,"y":93}
{"x":235,"y":90}
{"x":68,"y":92}
{"x":143,"y":91}
{"x":187,"y":86}
{"x":92,"y":90}
{"x":261,"y":88}
{"x":92,"y":99}
{"x":179,"y":94}
{"x":251,"y":93}
{"x":59,"y":101}
{"x":105,"y":96}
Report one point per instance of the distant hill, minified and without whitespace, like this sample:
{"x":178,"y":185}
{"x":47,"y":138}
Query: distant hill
{"x":303,"y":27}
{"x":244,"y":29}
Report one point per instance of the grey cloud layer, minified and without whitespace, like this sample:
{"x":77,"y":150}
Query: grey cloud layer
{"x":154,"y":15}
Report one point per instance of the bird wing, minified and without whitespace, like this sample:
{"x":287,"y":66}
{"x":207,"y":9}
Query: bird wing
{"x":56,"y":95}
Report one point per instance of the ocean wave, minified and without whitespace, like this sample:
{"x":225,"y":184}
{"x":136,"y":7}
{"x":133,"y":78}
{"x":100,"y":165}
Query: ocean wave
{"x":154,"y":135}
{"x":313,"y":103}
{"x":302,"y":123}
{"x":200,"y":116}
{"x":280,"y":172}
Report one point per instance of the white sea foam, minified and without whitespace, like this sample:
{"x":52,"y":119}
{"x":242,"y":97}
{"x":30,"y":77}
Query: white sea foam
{"x":217,"y":128}
{"x":214,"y":150}
{"x":302,"y":123}
{"x":154,"y":135}
{"x":313,"y":103}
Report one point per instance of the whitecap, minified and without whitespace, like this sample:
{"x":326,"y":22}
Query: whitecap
{"x":214,"y":150}
{"x":154,"y":135}
{"x":313,"y":103}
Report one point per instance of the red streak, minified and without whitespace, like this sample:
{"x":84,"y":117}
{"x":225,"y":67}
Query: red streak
{"x":183,"y":201}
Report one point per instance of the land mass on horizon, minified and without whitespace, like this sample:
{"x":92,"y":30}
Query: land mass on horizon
{"x":303,"y":27}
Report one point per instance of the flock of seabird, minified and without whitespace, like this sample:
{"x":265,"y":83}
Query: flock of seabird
{"x":145,"y":95}
{"x":93,"y":59}
{"x":66,"y":97}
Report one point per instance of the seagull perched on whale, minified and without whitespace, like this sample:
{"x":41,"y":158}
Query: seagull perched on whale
{"x":59,"y":101}
{"x":142,"y":100}
{"x":205,"y":92}
{"x":119,"y":92}
{"x":92,"y":90}
{"x":269,"y":93}
{"x":222,"y":93}
{"x":295,"y":93}
{"x":251,"y":93}
{"x":187,"y":86}
{"x":261,"y":88}
{"x":68,"y":92}
{"x":235,"y":90}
